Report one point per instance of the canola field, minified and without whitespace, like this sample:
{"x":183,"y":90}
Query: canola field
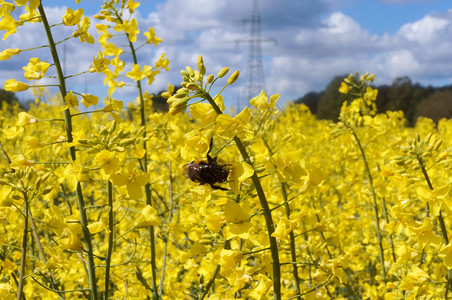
{"x":124,"y":202}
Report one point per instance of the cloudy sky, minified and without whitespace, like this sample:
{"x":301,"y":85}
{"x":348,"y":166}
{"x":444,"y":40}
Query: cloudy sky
{"x":305,"y":43}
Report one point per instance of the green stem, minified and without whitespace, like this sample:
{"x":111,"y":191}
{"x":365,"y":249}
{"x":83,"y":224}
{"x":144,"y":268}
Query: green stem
{"x":72,"y":152}
{"x":34,"y":231}
{"x":391,"y":241}
{"x":170,"y":216}
{"x":23,"y":254}
{"x":374,"y":200}
{"x":442,"y":225}
{"x":265,"y":208}
{"x":87,"y":112}
{"x":293,"y":252}
{"x":147,"y":187}
{"x":386,"y":215}
{"x":226,"y":245}
{"x":110,"y":239}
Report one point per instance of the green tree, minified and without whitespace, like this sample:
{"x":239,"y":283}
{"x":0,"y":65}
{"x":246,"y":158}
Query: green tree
{"x":436,"y":106}
{"x":331,"y":100}
{"x":311,"y":100}
{"x":10,"y":101}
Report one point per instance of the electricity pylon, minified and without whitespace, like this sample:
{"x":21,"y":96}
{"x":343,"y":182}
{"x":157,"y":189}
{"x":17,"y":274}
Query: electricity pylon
{"x":255,"y":79}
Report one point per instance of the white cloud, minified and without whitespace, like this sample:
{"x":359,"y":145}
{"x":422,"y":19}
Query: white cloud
{"x":313,"y":44}
{"x":427,"y":30}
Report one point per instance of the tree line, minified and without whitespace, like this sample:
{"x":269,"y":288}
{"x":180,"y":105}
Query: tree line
{"x":413,"y":99}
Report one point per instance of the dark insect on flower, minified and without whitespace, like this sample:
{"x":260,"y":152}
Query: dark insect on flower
{"x":210,"y":172}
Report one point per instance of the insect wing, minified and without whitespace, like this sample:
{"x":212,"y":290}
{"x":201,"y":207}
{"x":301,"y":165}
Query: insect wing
{"x":185,"y":170}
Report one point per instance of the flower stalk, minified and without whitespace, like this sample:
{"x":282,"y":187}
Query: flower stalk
{"x":264,"y":204}
{"x":72,"y":153}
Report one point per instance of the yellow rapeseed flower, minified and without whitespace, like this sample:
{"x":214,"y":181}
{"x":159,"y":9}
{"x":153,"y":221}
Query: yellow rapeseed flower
{"x":151,"y":38}
{"x":134,"y":180}
{"x":71,"y":17}
{"x":108,"y":162}
{"x":148,"y":217}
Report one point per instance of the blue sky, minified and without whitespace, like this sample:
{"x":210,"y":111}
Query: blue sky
{"x":315,"y":41}
{"x":381,"y":17}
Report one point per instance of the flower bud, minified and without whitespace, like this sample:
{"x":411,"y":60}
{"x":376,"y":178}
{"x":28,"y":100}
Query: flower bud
{"x":201,"y":67}
{"x":82,"y":141}
{"x":205,"y":241}
{"x":233,"y":77}
{"x":25,"y":119}
{"x":47,"y":190}
{"x":6,"y":54}
{"x":103,"y":130}
{"x":192,"y":86}
{"x":427,"y":138}
{"x":99,"y":17}
{"x":437,"y":144}
{"x":112,"y":127}
{"x":178,"y":106}
{"x":190,"y":71}
{"x":126,"y":142}
{"x":442,"y":156}
{"x":13,"y":85}
{"x":198,"y":75}
{"x":223,"y":72}
{"x":210,"y":78}
{"x":360,"y":121}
